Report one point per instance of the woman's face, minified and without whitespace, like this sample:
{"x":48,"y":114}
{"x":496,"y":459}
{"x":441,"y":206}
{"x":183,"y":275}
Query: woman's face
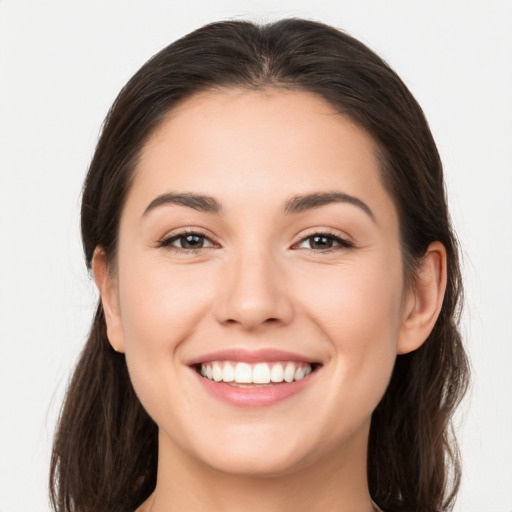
{"x":258,"y":243}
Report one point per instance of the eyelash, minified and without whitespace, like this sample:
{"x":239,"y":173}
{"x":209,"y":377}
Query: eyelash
{"x":167,"y":242}
{"x":341,"y":243}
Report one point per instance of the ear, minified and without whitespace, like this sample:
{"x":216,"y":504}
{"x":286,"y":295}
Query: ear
{"x":424,"y":299}
{"x":106,"y":284}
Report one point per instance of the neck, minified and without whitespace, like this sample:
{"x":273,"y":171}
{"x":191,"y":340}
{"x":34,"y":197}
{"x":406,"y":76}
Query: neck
{"x":338,"y":483}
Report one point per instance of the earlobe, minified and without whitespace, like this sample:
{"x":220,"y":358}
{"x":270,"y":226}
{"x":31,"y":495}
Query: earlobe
{"x":109,"y":300}
{"x":424,"y":300}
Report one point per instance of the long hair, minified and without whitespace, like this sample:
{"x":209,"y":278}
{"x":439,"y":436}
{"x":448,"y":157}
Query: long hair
{"x":105,"y":452}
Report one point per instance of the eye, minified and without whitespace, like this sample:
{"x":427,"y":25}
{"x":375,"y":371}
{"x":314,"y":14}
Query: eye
{"x":323,"y":242}
{"x":187,"y":241}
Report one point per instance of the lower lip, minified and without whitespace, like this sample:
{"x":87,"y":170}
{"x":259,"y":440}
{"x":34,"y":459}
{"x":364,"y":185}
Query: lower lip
{"x":258,"y":396}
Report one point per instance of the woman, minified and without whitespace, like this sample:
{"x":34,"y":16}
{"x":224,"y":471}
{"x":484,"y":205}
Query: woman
{"x":265,"y":219}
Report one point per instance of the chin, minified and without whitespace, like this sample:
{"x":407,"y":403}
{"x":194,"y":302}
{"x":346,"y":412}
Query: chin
{"x":256,"y":452}
{"x":257,"y":464}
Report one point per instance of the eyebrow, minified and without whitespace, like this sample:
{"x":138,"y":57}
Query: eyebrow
{"x":198,"y":202}
{"x":298,"y":204}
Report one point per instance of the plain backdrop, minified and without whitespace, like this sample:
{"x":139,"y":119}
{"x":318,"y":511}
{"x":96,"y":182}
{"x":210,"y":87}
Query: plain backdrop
{"x":61,"y":65}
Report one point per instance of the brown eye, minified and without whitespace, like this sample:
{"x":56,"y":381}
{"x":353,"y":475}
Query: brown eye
{"x":187,"y":241}
{"x":323,"y":242}
{"x":191,"y":241}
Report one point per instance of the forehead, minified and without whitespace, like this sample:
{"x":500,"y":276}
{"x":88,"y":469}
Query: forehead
{"x":274,"y":143}
{"x":246,"y":120}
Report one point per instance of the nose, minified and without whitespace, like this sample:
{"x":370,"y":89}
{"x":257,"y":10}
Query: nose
{"x":254,"y":294}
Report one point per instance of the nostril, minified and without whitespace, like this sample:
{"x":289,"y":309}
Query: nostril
{"x":267,"y":321}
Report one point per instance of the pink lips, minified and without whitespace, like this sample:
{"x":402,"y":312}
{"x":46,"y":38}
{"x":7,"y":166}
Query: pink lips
{"x":250,"y":356}
{"x":252,"y":395}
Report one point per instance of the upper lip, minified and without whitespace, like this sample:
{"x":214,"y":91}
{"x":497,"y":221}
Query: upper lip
{"x":251,"y":356}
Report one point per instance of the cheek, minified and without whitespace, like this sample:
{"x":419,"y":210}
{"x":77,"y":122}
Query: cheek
{"x":359,"y":311}
{"x":160,"y":308}
{"x":158,"y":301}
{"x":360,"y":318}
{"x":357,"y":298}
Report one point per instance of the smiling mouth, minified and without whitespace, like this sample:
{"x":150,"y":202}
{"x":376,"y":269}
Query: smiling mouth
{"x":241,"y":374}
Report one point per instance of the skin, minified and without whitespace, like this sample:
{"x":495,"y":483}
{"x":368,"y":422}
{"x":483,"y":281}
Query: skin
{"x":259,"y":283}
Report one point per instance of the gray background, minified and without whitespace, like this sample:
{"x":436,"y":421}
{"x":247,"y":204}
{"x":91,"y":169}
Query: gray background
{"x":62,"y":64}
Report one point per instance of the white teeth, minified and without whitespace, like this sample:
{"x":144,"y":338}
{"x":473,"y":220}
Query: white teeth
{"x":277,"y":374}
{"x":228,"y":373}
{"x":216,"y":372}
{"x":243,"y":373}
{"x":289,"y":372}
{"x":299,"y":373}
{"x":260,"y":373}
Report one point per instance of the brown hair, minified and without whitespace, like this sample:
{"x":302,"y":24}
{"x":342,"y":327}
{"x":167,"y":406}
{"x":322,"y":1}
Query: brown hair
{"x":105,"y":452}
